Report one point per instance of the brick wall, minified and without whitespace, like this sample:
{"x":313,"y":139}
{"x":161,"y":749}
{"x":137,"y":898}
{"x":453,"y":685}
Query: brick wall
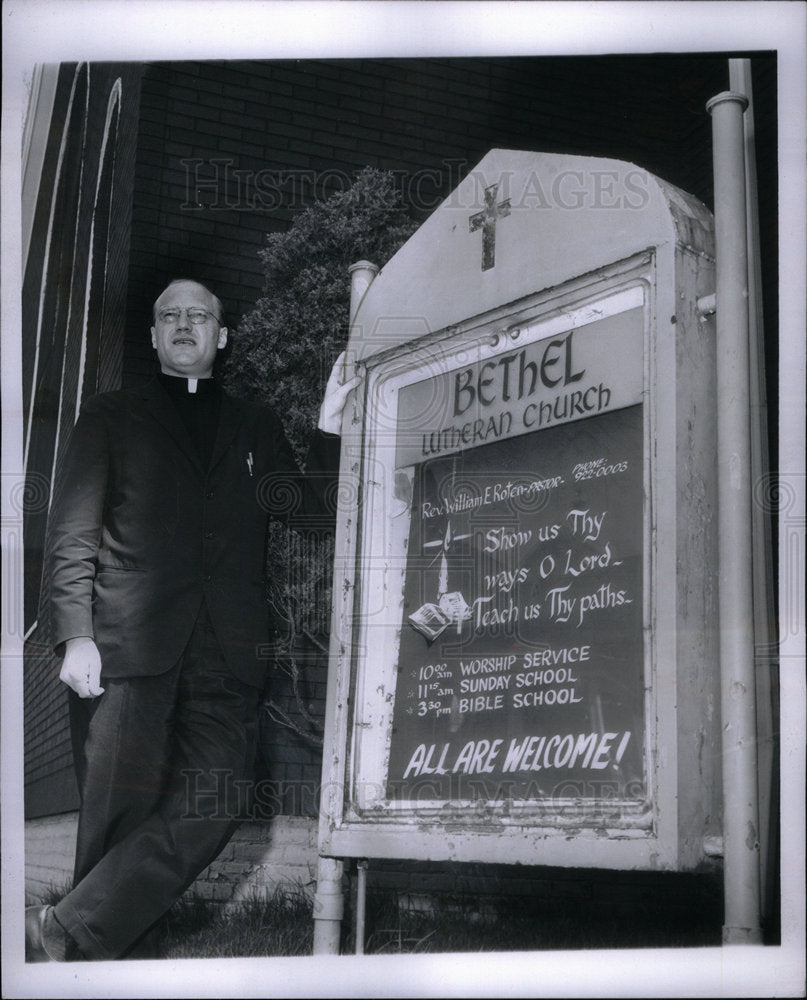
{"x":50,"y":846}
{"x":260,"y":856}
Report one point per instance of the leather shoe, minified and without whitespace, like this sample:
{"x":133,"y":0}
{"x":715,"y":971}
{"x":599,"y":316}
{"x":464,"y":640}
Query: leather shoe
{"x":34,"y":940}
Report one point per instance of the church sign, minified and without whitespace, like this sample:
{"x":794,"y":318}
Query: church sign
{"x":523,"y":572}
{"x":523,"y":652}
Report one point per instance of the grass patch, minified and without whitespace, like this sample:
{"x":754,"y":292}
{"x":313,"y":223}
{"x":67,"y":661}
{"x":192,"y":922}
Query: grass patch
{"x":458,"y":924}
{"x":55,"y":892}
{"x":282,"y":924}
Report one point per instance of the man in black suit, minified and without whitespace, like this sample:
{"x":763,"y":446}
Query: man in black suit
{"x":157,"y":550}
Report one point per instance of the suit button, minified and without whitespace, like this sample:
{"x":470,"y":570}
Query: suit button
{"x":209,"y":496}
{"x":208,"y":578}
{"x":209,"y":534}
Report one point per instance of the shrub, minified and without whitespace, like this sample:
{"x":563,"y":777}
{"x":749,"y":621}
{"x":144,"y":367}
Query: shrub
{"x":282,"y":353}
{"x":283,"y":350}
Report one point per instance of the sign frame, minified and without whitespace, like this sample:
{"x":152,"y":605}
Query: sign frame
{"x":356,"y":822}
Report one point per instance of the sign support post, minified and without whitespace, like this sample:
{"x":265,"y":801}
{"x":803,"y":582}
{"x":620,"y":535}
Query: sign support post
{"x":329,"y":900}
{"x":738,"y":683}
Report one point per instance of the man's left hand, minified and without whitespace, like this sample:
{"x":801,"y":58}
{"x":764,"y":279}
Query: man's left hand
{"x":336,"y":393}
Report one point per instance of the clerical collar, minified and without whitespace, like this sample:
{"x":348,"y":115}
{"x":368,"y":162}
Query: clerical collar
{"x":179,"y":385}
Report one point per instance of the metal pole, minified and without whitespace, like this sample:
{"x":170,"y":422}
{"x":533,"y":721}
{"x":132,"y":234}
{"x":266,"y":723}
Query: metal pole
{"x":329,"y":907}
{"x":361,"y":904}
{"x":362,"y":274}
{"x":763,"y":568}
{"x":329,"y":902}
{"x":737,"y":681}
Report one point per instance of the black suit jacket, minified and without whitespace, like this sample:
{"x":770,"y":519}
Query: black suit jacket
{"x":142,"y":533}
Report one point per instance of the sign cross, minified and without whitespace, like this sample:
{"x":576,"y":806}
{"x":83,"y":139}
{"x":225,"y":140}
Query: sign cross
{"x":486,"y":221}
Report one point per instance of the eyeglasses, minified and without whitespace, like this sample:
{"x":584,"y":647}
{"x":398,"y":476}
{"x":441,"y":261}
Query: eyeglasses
{"x":196,"y":316}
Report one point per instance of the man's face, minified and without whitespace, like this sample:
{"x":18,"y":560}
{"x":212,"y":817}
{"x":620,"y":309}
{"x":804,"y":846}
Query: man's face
{"x":184,"y":347}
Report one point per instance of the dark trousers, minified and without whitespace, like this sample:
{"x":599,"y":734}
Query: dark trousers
{"x":161,"y":765}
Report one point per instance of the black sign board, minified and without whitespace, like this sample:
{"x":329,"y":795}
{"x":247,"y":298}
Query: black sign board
{"x":520,"y":669}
